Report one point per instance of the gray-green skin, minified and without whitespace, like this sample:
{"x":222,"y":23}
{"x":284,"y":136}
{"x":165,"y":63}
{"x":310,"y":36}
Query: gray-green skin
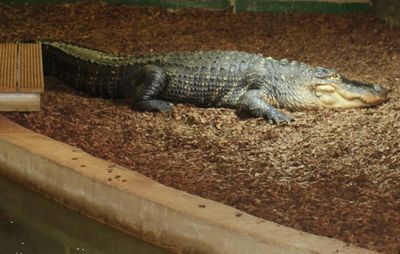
{"x":247,"y":82}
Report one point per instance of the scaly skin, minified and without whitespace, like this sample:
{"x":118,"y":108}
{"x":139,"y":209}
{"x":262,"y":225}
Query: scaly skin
{"x":248,"y":82}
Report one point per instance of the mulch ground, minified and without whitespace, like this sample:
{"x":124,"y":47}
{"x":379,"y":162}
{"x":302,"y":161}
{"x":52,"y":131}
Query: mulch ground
{"x":332,"y":172}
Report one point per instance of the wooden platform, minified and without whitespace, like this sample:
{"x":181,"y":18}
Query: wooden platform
{"x":21,"y":76}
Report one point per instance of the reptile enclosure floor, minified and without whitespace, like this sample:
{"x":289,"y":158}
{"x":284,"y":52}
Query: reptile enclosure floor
{"x":331,"y":173}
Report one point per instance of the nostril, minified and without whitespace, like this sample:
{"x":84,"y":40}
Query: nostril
{"x":377,"y":88}
{"x":380,"y":89}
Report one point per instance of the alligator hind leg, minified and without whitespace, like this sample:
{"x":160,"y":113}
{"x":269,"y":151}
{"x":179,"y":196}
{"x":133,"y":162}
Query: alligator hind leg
{"x":254,"y":103}
{"x":148,"y":82}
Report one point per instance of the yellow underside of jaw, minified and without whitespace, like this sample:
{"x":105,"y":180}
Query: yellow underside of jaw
{"x":335,"y":100}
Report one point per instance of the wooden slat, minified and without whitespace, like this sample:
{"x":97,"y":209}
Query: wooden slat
{"x":30,"y":68}
{"x":21,"y":68}
{"x":8,"y":67}
{"x":21,"y":76}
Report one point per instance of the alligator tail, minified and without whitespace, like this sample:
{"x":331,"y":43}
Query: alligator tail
{"x":98,"y":73}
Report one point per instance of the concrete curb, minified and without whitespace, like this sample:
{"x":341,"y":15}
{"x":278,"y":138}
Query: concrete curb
{"x":324,"y":6}
{"x":137,"y":205}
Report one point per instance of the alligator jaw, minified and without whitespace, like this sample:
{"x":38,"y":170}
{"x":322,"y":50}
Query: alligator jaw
{"x":374,"y":100}
{"x":350,"y":94}
{"x":367,"y":94}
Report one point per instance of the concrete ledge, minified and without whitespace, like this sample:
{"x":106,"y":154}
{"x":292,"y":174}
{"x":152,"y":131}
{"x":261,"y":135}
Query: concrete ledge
{"x":19,"y":101}
{"x":137,"y":205}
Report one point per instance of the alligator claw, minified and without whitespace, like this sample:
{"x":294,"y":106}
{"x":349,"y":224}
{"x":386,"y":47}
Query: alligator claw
{"x":154,"y":106}
{"x":279,"y":118}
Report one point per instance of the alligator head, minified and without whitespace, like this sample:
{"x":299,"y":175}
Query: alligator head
{"x":320,"y":87}
{"x":333,"y":90}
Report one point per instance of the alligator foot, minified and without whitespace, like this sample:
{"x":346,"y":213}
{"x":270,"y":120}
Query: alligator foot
{"x":148,"y":82}
{"x":274,"y":116}
{"x":253,"y":102}
{"x":154,"y":106}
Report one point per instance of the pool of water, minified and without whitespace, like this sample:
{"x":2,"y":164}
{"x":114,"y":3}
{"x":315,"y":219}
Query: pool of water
{"x":30,"y":223}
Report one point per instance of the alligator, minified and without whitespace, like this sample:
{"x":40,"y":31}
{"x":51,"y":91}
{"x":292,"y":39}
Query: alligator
{"x":250,"y":83}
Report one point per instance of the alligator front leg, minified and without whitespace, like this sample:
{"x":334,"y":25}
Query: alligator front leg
{"x":148,"y":82}
{"x":254,"y":103}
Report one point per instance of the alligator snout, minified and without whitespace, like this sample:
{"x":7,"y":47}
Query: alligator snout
{"x":380,"y":90}
{"x":377,"y":95}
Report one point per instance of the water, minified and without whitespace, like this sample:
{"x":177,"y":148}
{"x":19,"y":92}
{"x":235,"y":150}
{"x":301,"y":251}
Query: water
{"x":32,"y":224}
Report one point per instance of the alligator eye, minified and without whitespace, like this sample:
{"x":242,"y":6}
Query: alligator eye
{"x":321,"y":73}
{"x":335,"y":76}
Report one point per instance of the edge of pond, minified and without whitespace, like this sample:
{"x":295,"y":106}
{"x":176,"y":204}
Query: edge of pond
{"x":135,"y":204}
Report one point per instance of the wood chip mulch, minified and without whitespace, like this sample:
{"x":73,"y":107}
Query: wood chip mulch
{"x":331,"y":173}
